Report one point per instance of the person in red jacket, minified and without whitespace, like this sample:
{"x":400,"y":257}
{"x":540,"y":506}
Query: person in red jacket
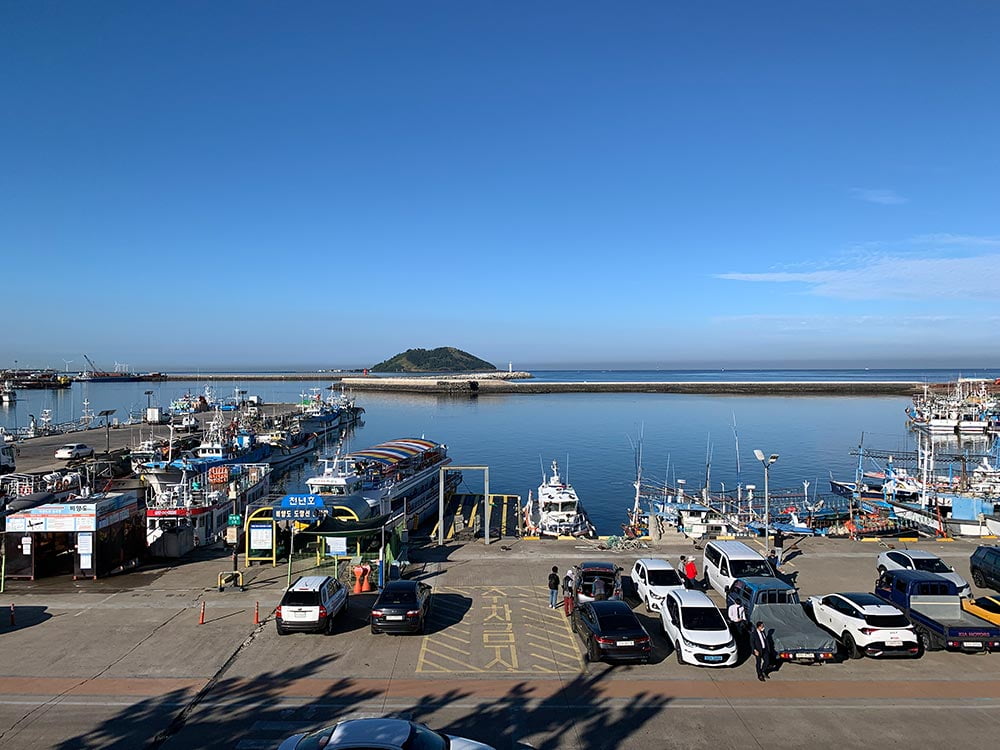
{"x":691,"y":572}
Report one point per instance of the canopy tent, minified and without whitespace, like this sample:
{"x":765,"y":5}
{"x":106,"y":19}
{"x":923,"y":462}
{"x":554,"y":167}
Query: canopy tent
{"x":395,"y":450}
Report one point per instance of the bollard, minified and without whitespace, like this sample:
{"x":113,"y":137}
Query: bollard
{"x":358,"y":572}
{"x":256,"y":613}
{"x":366,"y":578}
{"x":12,"y":623}
{"x":201,"y":617}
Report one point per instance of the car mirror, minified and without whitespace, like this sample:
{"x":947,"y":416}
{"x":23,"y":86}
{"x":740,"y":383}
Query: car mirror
{"x":951,"y":568}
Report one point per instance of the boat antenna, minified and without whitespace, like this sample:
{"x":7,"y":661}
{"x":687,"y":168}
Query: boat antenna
{"x":541,"y":465}
{"x":566,"y":477}
{"x":736,"y":436}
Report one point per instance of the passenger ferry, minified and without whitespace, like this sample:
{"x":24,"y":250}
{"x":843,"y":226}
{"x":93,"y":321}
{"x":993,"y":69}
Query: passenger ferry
{"x":205,"y":501}
{"x":391,"y":480}
{"x":557,"y":511}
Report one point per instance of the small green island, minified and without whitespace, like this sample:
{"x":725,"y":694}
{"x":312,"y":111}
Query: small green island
{"x":442,"y":359}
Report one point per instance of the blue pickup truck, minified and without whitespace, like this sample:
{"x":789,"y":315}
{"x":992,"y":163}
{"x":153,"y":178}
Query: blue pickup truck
{"x":932,"y":605}
{"x":794,"y":637}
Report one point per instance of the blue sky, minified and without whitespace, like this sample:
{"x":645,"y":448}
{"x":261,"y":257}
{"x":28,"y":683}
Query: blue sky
{"x":669,"y":184}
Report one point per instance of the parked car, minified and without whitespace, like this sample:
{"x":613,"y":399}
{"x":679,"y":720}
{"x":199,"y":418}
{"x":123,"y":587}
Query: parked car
{"x":585,"y":575}
{"x":311,"y":604}
{"x":985,"y":567}
{"x":385,"y":734}
{"x":865,"y":625}
{"x":696,"y":629}
{"x":925,"y":562}
{"x":653,"y":580}
{"x":74,"y":450}
{"x":724,"y":562}
{"x":610,"y":630}
{"x":986,"y":607}
{"x":794,"y":636}
{"x":932,"y":605}
{"x":401,"y":607}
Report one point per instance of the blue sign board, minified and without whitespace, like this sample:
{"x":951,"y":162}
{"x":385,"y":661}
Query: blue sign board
{"x":295,"y":514}
{"x":301,"y":501}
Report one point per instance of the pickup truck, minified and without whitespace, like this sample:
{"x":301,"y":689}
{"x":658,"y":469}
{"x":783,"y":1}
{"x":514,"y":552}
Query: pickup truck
{"x":793,"y":635}
{"x":932,"y":605}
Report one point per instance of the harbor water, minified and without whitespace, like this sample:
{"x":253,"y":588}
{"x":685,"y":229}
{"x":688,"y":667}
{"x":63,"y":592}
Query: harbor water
{"x":590,"y":434}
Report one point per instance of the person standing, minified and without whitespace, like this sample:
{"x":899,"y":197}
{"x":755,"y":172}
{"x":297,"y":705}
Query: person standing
{"x":600,"y":589}
{"x":758,"y":643}
{"x":691,"y":572}
{"x":772,"y":560}
{"x":553,"y":587}
{"x":738,"y":617}
{"x":779,"y":545}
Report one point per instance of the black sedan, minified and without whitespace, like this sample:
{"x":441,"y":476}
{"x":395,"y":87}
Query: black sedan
{"x":402,"y":607}
{"x":610,"y":630}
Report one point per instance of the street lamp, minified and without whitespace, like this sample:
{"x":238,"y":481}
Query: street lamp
{"x":148,"y":394}
{"x":759,"y":454}
{"x":107,"y":425}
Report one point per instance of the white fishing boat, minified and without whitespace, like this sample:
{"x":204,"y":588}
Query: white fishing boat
{"x":557,"y":511}
{"x":205,"y":501}
{"x":7,"y":393}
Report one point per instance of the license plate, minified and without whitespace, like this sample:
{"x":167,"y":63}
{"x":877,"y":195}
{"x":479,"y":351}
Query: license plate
{"x":626,"y":643}
{"x":805,"y":656}
{"x":394,"y":617}
{"x":713,"y":658}
{"x":974,"y":644}
{"x":895,"y":641}
{"x":300,"y":615}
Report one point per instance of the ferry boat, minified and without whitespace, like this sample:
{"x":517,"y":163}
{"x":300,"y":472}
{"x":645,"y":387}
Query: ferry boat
{"x":395,"y":481}
{"x":557,"y":511}
{"x":205,"y":501}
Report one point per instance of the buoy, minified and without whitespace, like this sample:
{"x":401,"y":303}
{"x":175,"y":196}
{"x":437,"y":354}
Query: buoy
{"x":201,"y":617}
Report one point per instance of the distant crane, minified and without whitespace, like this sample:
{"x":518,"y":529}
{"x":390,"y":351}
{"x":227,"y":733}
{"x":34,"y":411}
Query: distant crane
{"x":94,"y":369}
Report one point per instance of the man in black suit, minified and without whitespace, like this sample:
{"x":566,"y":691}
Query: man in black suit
{"x":758,"y":643}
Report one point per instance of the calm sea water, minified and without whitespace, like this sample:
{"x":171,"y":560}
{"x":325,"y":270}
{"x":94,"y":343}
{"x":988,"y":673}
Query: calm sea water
{"x":587,"y":433}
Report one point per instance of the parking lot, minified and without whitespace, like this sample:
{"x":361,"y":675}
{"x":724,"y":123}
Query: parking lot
{"x":124,"y":663}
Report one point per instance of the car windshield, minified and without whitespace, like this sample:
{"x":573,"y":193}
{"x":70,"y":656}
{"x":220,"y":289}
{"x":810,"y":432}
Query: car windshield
{"x":748,"y":568}
{"x":300,"y":598}
{"x":316,"y":740}
{"x":664,"y":578}
{"x":422,"y":738}
{"x":702,"y":618}
{"x":931,"y":565}
{"x":886,"y":621}
{"x":617,"y":624}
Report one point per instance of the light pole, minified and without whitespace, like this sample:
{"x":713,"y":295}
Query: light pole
{"x":759,"y":454}
{"x":148,"y":395}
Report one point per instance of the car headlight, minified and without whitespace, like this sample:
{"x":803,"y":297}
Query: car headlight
{"x":730,"y":644}
{"x":690,"y":644}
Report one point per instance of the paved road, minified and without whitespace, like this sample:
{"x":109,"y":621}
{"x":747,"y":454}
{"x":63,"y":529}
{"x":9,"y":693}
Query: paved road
{"x":120,"y":662}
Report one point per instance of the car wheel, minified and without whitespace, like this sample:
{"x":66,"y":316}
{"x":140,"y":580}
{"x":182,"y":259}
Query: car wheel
{"x":374,"y":630}
{"x":280,"y":630}
{"x":851,"y":647}
{"x":678,"y":654}
{"x":593,"y":655}
{"x":328,"y":627}
{"x":421,"y":627}
{"x":881,"y":570}
{"x":977,"y":578}
{"x":925,"y":640}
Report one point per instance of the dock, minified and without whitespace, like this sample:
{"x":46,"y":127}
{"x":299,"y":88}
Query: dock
{"x":123,"y":662}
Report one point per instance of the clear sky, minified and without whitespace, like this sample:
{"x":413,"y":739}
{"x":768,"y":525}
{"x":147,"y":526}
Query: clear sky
{"x":671,"y":184}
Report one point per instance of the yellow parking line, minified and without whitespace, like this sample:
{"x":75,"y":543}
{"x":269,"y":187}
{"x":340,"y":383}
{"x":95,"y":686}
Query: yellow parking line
{"x":453,"y":637}
{"x":544,"y":658}
{"x":438,"y":644}
{"x":453,"y":659}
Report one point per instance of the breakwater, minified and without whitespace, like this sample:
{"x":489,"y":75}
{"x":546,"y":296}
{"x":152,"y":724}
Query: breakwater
{"x":471,"y":385}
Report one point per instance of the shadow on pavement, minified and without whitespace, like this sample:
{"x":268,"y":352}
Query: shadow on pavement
{"x":21,"y":617}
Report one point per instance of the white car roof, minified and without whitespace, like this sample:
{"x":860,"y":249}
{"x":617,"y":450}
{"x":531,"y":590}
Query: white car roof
{"x":692,"y":598}
{"x":918,"y":554}
{"x":308,"y":583}
{"x":863,"y":602}
{"x":737,"y":551}
{"x":655,"y":563}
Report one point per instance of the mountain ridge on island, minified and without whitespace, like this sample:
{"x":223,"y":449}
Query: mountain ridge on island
{"x":442,"y":359}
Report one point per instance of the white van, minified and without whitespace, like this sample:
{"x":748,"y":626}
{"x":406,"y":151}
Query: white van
{"x":724,"y":562}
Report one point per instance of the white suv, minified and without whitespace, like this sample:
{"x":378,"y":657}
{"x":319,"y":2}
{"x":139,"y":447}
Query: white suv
{"x":696,"y":629}
{"x":925,"y":562}
{"x":653,"y":580}
{"x":865,"y":625}
{"x":311,"y":603}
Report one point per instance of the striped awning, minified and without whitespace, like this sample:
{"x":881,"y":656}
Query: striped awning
{"x":395,"y":450}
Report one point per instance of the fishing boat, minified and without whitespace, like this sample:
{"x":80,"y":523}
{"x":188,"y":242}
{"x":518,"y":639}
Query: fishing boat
{"x":396,"y":481}
{"x":557,"y":510}
{"x":223,"y":444}
{"x":204,"y":501}
{"x":287,"y":447}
